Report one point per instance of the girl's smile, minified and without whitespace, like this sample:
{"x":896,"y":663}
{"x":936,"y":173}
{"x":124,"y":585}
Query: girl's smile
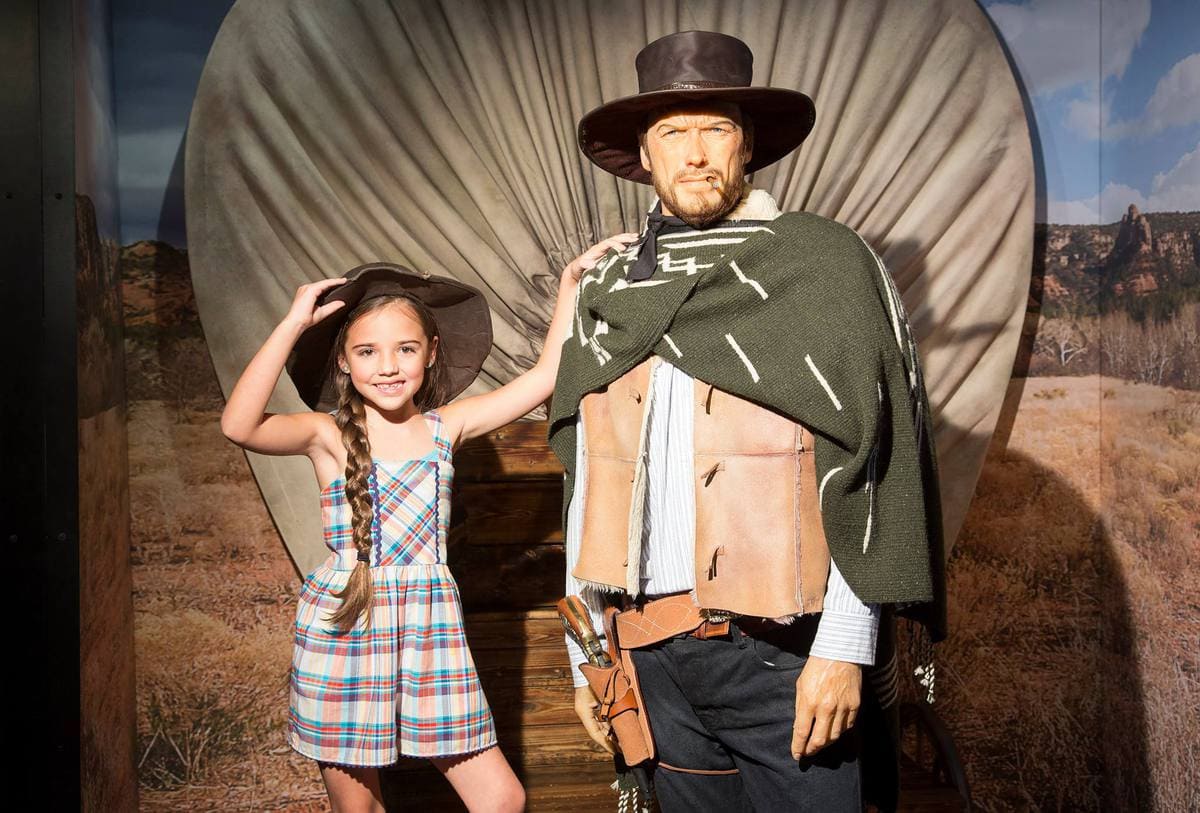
{"x":386,"y":354}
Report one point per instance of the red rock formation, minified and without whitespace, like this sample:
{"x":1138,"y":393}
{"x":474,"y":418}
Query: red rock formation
{"x":1134,"y":236}
{"x":1155,"y":253}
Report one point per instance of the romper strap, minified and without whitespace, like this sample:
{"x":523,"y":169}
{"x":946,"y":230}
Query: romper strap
{"x":440,"y":441}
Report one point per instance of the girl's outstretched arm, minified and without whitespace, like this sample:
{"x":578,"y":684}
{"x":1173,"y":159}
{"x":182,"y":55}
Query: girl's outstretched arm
{"x":481,"y":414}
{"x":245,"y":420}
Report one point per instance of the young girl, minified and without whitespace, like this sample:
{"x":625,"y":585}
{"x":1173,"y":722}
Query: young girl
{"x":380,"y":664}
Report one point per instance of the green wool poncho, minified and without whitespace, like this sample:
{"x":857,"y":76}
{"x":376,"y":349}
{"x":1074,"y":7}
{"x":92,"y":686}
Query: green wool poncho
{"x":801,"y":318}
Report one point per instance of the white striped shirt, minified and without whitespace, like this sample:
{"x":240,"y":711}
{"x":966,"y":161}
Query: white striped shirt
{"x":847,"y":629}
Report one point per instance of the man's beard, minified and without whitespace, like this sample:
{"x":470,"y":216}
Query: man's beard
{"x":699,"y":213}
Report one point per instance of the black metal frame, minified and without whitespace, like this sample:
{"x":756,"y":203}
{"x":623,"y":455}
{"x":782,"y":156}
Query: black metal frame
{"x":38,"y":411}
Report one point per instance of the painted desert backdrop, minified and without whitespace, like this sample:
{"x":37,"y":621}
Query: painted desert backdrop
{"x":1071,"y":679}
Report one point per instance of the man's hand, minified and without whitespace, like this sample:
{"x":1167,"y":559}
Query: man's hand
{"x":827,"y":698}
{"x":585,"y":705}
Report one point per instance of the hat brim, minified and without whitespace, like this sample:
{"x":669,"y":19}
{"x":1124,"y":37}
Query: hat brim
{"x":462,"y":315}
{"x":782,"y":120}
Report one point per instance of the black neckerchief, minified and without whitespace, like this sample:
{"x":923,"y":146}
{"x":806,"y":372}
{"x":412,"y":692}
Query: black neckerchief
{"x":657,"y":223}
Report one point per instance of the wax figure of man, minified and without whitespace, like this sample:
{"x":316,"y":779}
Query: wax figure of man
{"x":744,"y":428}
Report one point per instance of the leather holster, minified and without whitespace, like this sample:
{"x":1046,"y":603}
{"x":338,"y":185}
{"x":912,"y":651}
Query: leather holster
{"x":616,"y":687}
{"x":620,"y":698}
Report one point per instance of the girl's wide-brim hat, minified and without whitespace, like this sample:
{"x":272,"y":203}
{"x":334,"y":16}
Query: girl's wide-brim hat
{"x":695,"y":66}
{"x":463,"y":320}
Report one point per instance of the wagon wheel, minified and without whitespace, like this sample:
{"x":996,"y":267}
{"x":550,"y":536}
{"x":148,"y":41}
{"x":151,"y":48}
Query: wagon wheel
{"x":927,"y":742}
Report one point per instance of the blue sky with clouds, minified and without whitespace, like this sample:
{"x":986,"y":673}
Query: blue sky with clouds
{"x":158,"y":53}
{"x":1115,"y":89}
{"x":1114,"y":85}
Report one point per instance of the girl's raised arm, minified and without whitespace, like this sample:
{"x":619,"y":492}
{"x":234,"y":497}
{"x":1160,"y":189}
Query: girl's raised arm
{"x":481,"y":414}
{"x":244,"y":419}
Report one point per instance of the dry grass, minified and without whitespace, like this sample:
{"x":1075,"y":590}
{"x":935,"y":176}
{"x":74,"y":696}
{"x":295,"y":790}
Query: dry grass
{"x":1070,"y":679}
{"x":207,"y":688}
{"x":1151,"y":440}
{"x":215,"y":598}
{"x":214,"y":590}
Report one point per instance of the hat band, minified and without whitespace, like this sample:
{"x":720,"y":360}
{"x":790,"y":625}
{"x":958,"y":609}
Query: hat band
{"x":692,"y":86}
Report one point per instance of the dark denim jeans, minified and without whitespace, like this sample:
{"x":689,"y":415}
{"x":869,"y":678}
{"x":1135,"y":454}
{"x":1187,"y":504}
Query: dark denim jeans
{"x":729,"y":702}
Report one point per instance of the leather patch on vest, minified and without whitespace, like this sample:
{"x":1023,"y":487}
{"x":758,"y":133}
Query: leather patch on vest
{"x":612,"y":420}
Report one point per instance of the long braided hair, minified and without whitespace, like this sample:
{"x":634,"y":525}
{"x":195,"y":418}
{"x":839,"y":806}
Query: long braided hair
{"x":351,"y":419}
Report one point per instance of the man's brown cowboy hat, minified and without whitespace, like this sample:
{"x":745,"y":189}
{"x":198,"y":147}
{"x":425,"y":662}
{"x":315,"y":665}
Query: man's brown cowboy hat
{"x":462,"y":315}
{"x":695,"y":66}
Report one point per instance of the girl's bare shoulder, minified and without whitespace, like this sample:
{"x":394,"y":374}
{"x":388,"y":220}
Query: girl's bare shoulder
{"x":453,"y":416}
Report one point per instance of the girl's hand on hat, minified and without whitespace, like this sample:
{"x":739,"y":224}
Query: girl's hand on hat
{"x":304,"y":312}
{"x":588,"y":259}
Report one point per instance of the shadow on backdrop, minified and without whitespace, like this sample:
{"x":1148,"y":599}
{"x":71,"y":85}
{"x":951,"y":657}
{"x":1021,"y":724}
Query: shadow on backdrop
{"x":1040,"y":677}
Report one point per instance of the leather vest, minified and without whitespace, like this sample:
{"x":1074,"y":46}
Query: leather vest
{"x":760,"y":546}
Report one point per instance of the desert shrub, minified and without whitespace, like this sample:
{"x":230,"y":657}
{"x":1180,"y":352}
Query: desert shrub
{"x":1179,"y":418}
{"x":184,"y":733}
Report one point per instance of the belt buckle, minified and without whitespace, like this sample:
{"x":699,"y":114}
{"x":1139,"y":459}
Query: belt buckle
{"x":715,"y":624}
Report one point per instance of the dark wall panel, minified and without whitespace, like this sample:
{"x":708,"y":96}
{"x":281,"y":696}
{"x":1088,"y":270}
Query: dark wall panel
{"x":107,"y":727}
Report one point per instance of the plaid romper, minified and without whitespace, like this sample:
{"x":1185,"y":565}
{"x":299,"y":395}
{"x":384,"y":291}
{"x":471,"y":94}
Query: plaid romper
{"x":406,"y":685}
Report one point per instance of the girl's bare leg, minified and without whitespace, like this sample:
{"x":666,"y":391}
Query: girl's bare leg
{"x":484,"y":781}
{"x":351,"y":789}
